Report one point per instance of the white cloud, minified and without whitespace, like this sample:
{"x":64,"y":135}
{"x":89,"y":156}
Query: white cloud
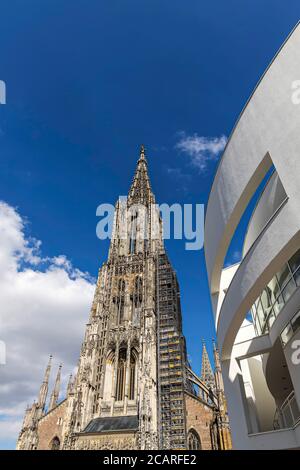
{"x":201,"y":150}
{"x":44,"y":306}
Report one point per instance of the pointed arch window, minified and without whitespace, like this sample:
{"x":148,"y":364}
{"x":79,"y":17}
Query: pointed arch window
{"x":55,"y":443}
{"x":122,"y":370}
{"x":121,"y":373}
{"x":194,"y":442}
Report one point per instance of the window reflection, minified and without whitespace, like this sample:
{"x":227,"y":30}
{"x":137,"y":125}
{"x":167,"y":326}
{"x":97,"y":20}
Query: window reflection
{"x":274,"y":296}
{"x":291,"y":329}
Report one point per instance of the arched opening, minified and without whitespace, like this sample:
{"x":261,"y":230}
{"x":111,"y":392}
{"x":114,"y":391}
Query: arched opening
{"x":194,"y":442}
{"x":55,"y":443}
{"x":132,"y":375}
{"x":121,"y":373}
{"x":126,"y":375}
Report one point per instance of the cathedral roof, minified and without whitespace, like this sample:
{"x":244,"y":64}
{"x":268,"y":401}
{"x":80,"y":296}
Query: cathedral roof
{"x":110,"y":424}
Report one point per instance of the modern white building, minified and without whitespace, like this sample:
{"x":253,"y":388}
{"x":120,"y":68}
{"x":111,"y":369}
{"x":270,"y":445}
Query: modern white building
{"x":256,"y":302}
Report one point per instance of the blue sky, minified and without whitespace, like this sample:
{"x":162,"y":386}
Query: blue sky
{"x":89,"y":81}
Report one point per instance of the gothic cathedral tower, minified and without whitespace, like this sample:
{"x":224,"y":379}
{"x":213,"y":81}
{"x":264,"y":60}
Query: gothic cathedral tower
{"x":132,"y":389}
{"x":117,"y":372}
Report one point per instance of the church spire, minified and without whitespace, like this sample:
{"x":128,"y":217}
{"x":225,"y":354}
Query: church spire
{"x":70,"y":385}
{"x":44,"y":387}
{"x":218,"y":371}
{"x":206,"y":369}
{"x":140,"y":191}
{"x":142,"y":152}
{"x":55,"y":392}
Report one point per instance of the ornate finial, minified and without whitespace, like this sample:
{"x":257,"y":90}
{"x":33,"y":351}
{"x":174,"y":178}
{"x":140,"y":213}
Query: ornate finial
{"x":55,"y":393}
{"x":142,"y":151}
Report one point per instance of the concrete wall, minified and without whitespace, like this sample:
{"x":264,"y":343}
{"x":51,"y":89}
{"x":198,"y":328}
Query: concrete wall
{"x":266,"y":134}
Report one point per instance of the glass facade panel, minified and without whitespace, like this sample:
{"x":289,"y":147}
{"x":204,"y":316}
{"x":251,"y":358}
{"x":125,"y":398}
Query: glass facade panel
{"x":274,"y":286}
{"x":297,"y":277}
{"x":260,"y":315}
{"x":273,"y":289}
{"x":278,"y":305}
{"x":271,"y":319}
{"x":265,"y":300}
{"x":288,"y":290}
{"x":294,"y":262}
{"x":256,"y":322}
{"x":286,"y":335}
{"x":283,"y":276}
{"x":290,"y":329}
{"x":296,"y":322}
{"x":275,"y":295}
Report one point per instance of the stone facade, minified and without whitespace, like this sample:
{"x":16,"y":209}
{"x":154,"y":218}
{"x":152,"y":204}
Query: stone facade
{"x":199,"y":418}
{"x":51,"y":428}
{"x":112,"y":441}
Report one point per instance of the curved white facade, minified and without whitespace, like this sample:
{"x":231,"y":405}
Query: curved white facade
{"x":262,"y":381}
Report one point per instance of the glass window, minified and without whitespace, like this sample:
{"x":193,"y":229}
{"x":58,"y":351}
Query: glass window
{"x":273,"y":289}
{"x":296,"y":322}
{"x":286,"y":334}
{"x":289,"y":289}
{"x":297,"y":277}
{"x":265,"y":301}
{"x":260,"y":315}
{"x":275,"y":295}
{"x":283,"y":276}
{"x":271,"y":319}
{"x":294,"y":262}
{"x":279,"y":303}
{"x":255,"y":319}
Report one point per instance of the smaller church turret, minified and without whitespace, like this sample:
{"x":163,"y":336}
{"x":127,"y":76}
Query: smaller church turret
{"x":44,"y":387}
{"x":55,"y":392}
{"x":206,"y":370}
{"x":225,"y":442}
{"x":70,"y":385}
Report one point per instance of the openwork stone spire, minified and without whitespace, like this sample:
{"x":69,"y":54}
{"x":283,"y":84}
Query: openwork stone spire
{"x":44,"y":387}
{"x":140,"y":191}
{"x":55,"y":393}
{"x":206,"y":369}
